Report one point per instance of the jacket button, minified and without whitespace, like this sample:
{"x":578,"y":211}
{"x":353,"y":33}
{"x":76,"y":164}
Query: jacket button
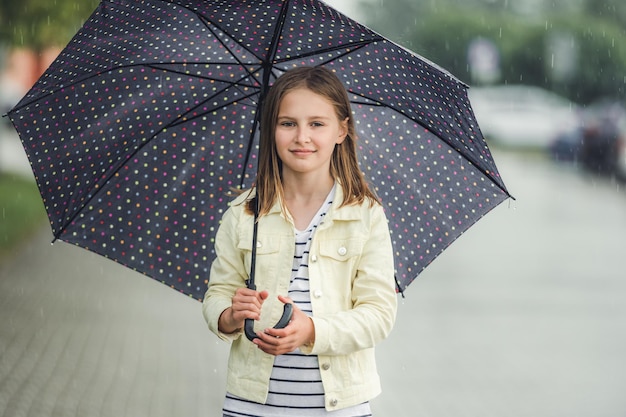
{"x":333,"y":402}
{"x":259,"y":244}
{"x":313,"y":258}
{"x":325,"y":366}
{"x":342,"y":251}
{"x":318,"y":293}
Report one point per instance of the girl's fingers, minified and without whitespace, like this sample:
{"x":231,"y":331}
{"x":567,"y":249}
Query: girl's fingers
{"x":274,"y":345}
{"x":246,"y":298}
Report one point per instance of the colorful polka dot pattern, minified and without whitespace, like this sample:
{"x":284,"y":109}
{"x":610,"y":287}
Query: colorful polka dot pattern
{"x":146,"y":120}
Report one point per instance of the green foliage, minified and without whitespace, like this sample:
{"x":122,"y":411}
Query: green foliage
{"x":21,"y":211}
{"x":443,"y":30}
{"x":38,"y":24}
{"x":609,"y":10}
{"x":602,"y":68}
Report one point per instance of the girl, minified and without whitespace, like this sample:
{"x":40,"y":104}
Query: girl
{"x":323,"y":245}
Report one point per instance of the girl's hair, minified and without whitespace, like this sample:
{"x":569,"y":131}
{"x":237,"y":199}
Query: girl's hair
{"x":344,"y":166}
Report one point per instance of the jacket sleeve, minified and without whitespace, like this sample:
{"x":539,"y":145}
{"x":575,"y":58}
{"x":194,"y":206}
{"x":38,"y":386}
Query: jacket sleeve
{"x":226,"y":275}
{"x":373,"y":297}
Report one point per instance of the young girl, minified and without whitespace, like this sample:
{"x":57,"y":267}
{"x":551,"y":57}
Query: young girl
{"x":323,"y":245}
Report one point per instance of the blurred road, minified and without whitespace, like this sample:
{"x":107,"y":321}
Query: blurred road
{"x":523,"y":316}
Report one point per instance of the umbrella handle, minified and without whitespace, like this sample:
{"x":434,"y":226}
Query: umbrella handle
{"x":287,"y":308}
{"x":282,"y":323}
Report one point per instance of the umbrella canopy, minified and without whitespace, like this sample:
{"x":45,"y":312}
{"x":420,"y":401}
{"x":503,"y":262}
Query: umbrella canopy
{"x":149,"y":116}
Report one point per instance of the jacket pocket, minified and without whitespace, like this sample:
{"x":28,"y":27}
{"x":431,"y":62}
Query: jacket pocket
{"x":338,"y":264}
{"x":342,"y":250}
{"x":266,"y":246}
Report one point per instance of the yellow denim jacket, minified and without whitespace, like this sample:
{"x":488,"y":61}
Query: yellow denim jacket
{"x":353,"y":297}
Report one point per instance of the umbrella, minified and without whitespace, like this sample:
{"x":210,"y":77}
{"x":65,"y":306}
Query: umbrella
{"x":148,"y":117}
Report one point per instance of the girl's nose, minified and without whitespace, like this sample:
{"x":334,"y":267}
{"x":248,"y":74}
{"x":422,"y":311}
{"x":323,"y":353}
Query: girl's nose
{"x":303,"y":135}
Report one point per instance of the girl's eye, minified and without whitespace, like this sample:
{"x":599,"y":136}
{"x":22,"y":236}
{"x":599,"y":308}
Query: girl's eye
{"x":287,"y":124}
{"x":317,"y":124}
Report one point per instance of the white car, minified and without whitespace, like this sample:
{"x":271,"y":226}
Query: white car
{"x":522,"y":116}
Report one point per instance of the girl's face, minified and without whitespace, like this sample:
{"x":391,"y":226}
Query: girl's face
{"x":307,"y":130}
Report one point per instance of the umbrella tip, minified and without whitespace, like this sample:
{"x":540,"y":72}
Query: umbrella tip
{"x":399,"y":287}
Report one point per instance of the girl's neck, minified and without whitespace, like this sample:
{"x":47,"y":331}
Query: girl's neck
{"x":307,"y":188}
{"x":303,"y":198}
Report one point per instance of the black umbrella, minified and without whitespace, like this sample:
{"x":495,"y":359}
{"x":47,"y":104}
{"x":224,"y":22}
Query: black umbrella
{"x":149,"y":116}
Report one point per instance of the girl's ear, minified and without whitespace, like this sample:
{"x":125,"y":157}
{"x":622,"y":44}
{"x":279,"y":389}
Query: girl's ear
{"x":343,"y":130}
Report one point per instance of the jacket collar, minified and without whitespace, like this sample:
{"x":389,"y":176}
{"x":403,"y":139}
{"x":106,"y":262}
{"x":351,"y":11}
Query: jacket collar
{"x":351,"y":212}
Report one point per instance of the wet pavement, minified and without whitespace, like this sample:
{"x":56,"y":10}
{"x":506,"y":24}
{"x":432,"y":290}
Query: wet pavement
{"x":524,"y":315}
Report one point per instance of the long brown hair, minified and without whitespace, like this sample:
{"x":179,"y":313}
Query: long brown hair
{"x":344,"y":166}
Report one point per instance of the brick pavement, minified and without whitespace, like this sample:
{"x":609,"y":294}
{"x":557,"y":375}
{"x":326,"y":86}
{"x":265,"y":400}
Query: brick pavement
{"x":83,"y":336}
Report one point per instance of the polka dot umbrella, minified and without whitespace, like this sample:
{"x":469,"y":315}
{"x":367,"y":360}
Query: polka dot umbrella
{"x":148,"y":117}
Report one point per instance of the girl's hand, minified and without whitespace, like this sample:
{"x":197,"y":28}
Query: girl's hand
{"x":246,"y":305}
{"x":300,"y":331}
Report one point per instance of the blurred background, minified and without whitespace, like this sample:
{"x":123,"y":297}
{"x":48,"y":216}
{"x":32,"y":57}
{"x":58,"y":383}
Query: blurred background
{"x":525,"y":315}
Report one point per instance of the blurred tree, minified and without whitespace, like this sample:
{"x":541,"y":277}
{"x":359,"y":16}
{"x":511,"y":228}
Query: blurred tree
{"x":391,"y":22}
{"x":561,"y":45}
{"x":40,"y":24}
{"x":602,"y":66}
{"x":611,"y":10}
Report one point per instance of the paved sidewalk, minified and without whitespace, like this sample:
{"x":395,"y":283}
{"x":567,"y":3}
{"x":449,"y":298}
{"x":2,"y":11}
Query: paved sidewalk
{"x":524,"y":316}
{"x":83,"y":336}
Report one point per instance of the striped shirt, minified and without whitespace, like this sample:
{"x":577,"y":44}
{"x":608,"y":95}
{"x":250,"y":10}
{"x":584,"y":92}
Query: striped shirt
{"x":295,"y":387}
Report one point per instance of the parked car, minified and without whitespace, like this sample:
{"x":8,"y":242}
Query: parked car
{"x":603,"y":148}
{"x":523,"y":116}
{"x":567,"y":146}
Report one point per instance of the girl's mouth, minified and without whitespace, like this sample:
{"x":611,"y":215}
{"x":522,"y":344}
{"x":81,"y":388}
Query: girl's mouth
{"x":302,"y":152}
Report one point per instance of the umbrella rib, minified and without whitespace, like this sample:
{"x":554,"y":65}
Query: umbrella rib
{"x":267,"y":70}
{"x":203,"y":19}
{"x":231,"y":83}
{"x":240,"y":62}
{"x":347,"y":50}
{"x":378,"y":103}
{"x":209,"y":24}
{"x":57,"y":88}
{"x":183,"y":119}
{"x":163,"y":66}
{"x":177,"y":121}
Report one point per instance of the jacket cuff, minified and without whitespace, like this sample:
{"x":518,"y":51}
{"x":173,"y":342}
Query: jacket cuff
{"x":322,"y":342}
{"x":212,"y":311}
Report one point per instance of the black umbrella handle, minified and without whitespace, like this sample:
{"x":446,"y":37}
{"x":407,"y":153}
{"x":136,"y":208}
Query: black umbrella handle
{"x":287,"y":309}
{"x":282,"y":323}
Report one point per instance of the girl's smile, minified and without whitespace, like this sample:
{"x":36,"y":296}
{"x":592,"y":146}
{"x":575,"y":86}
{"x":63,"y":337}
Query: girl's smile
{"x":302,"y":152}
